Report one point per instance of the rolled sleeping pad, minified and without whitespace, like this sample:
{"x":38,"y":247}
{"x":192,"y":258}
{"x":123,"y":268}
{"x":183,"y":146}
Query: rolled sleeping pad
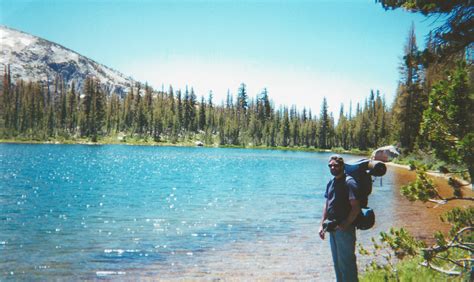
{"x":374,"y":168}
{"x":352,"y":167}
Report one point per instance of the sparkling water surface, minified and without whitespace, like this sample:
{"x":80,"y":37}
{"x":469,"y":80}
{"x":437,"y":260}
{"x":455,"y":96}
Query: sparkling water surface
{"x":89,"y":212}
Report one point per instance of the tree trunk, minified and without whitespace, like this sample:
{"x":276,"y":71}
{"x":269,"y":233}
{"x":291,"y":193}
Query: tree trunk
{"x":471,"y":174}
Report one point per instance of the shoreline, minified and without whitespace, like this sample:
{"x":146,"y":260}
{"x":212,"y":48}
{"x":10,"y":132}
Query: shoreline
{"x":183,"y":144}
{"x":444,"y":176}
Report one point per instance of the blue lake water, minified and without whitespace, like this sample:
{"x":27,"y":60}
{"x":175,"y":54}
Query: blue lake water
{"x":92,"y":212}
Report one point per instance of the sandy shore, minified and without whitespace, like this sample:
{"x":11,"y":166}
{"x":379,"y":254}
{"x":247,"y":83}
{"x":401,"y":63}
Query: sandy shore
{"x":445,"y":176}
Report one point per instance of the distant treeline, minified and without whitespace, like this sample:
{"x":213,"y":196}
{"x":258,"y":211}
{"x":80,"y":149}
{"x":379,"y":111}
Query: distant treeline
{"x":34,"y":111}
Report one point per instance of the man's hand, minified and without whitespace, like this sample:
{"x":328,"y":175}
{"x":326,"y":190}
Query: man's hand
{"x":322,"y":232}
{"x":343,"y":226}
{"x":355,"y":210}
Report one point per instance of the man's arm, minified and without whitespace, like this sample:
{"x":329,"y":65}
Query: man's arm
{"x":321,"y":229}
{"x":355,"y":210}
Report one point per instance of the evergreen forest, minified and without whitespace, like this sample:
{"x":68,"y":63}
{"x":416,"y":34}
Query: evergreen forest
{"x":38,"y":112}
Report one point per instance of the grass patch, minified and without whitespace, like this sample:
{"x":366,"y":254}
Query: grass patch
{"x":428,"y":160}
{"x":408,"y":270}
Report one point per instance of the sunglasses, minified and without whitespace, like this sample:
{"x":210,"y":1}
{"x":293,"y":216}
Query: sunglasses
{"x":334,"y":165}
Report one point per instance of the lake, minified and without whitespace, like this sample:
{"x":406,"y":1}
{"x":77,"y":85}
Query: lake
{"x":125,"y":212}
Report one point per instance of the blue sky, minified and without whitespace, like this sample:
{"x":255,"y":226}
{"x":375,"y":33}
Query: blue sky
{"x":301,"y":51}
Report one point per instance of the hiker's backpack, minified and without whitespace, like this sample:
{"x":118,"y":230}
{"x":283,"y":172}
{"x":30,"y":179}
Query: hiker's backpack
{"x":362,"y":172}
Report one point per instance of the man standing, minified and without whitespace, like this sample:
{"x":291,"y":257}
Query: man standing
{"x":342,"y":206}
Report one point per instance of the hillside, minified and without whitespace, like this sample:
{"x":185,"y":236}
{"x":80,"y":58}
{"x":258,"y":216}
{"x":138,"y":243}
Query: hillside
{"x":35,"y":59}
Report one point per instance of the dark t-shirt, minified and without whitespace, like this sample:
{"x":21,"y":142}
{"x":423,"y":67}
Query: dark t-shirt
{"x":339,"y":193}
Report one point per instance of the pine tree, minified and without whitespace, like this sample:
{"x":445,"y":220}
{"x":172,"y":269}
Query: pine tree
{"x":88,"y":91}
{"x":342,"y":130}
{"x":6,"y":92}
{"x":242,"y":99}
{"x":63,"y":111}
{"x":409,"y":103}
{"x":179,"y":113}
{"x":285,"y":128}
{"x":148,"y":109}
{"x":71,"y":119}
{"x":16,"y":107}
{"x":171,"y":111}
{"x":128,"y":111}
{"x":324,"y":125}
{"x":51,"y":121}
{"x":192,"y":111}
{"x":294,"y":126}
{"x":157,"y":122}
{"x":99,"y":110}
{"x":202,"y":114}
{"x":229,"y":101}
{"x":210,"y":113}
{"x":139,"y":118}
{"x":450,"y":37}
{"x":449,"y":121}
{"x":266,"y":104}
{"x":187,"y":111}
{"x":24,"y":115}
